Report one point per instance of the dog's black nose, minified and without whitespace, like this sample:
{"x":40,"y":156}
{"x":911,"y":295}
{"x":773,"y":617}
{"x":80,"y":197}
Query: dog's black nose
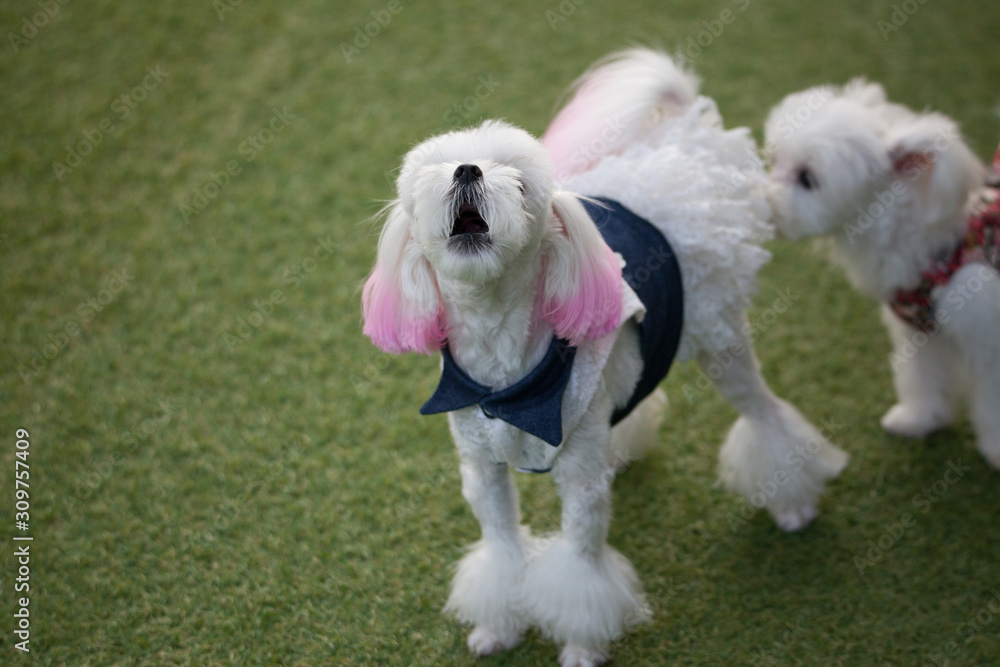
{"x":467,"y":173}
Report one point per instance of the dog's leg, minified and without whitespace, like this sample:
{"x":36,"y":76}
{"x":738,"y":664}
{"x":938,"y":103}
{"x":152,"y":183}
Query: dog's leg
{"x":971,"y":304}
{"x":487,"y":588}
{"x":772,"y":456}
{"x":985,"y":409}
{"x":637,"y":433}
{"x":984,"y":403}
{"x":580,"y":591}
{"x":924,"y":374}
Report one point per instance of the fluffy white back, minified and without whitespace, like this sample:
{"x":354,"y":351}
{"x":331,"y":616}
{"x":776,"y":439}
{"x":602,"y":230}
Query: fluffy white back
{"x":703,"y":187}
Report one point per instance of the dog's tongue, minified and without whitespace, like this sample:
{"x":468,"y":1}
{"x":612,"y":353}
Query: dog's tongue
{"x":469,"y":221}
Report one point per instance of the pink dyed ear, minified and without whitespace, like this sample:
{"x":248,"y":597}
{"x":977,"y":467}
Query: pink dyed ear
{"x":582,"y":296}
{"x":401,"y":304}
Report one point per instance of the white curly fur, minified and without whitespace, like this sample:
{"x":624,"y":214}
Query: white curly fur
{"x":675,"y":178}
{"x":702,"y":186}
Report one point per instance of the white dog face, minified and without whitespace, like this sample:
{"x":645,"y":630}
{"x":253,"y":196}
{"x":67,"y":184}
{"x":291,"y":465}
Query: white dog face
{"x":477,"y":207}
{"x":827,"y":156}
{"x":854,"y":158}
{"x":477,"y":199}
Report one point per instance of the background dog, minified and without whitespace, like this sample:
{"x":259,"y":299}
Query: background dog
{"x":905,"y":202}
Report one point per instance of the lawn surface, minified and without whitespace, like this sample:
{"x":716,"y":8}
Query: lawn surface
{"x":225,"y":471}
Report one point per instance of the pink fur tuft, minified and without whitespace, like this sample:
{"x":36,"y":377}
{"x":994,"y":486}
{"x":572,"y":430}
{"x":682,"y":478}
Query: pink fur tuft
{"x":566,"y":138}
{"x":583,"y":294}
{"x":387,"y":324}
{"x":614,"y":103}
{"x":400,"y":303}
{"x":595,"y":308}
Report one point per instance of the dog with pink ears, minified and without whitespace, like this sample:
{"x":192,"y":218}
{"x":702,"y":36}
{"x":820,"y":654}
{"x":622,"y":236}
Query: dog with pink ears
{"x":559,"y":280}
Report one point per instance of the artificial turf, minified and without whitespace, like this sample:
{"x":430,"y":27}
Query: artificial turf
{"x":223,"y":470}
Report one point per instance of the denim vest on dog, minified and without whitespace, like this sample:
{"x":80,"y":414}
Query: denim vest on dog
{"x":534,"y":404}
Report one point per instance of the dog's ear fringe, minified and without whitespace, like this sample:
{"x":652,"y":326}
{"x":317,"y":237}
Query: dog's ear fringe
{"x":582,"y":293}
{"x":400,"y":303}
{"x":931,"y":154}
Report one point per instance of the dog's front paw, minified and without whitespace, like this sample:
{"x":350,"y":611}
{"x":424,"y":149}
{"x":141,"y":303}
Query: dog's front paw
{"x":910,"y":421}
{"x":483,"y":641}
{"x":796,"y":518}
{"x":578,"y":656}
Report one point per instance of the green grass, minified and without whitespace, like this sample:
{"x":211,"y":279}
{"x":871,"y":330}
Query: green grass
{"x":211,"y":486}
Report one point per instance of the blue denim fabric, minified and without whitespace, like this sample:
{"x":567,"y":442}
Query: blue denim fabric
{"x":534,"y":404}
{"x":653,"y":273}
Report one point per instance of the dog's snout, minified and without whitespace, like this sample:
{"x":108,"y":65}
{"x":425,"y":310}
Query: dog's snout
{"x":467,"y":173}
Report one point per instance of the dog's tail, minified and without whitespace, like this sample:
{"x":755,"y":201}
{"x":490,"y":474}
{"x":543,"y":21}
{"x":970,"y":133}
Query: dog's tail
{"x":619,"y":100}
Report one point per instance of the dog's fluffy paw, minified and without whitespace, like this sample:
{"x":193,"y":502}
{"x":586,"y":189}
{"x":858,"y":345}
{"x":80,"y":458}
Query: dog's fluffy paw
{"x":909,"y":421}
{"x":483,"y":641}
{"x":578,"y":656}
{"x":796,"y":518}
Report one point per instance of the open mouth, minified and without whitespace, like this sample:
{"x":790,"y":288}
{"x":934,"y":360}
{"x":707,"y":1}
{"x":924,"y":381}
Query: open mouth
{"x":469,"y":221}
{"x":469,"y":232}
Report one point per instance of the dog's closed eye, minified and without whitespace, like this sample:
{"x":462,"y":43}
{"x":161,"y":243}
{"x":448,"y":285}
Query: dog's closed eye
{"x":807,"y":180}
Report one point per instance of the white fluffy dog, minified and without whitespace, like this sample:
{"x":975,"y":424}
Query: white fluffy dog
{"x":546,"y":342}
{"x":916,"y":227}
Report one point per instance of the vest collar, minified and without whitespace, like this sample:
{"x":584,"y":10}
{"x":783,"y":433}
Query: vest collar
{"x":533,"y":404}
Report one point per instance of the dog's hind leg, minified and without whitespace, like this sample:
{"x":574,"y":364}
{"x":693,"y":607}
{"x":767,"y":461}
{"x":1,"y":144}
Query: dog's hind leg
{"x":487,"y":588}
{"x":973,"y":323}
{"x":772,"y":456}
{"x":924,"y":373}
{"x":580,"y":591}
{"x":985,"y":411}
{"x":638,"y":432}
